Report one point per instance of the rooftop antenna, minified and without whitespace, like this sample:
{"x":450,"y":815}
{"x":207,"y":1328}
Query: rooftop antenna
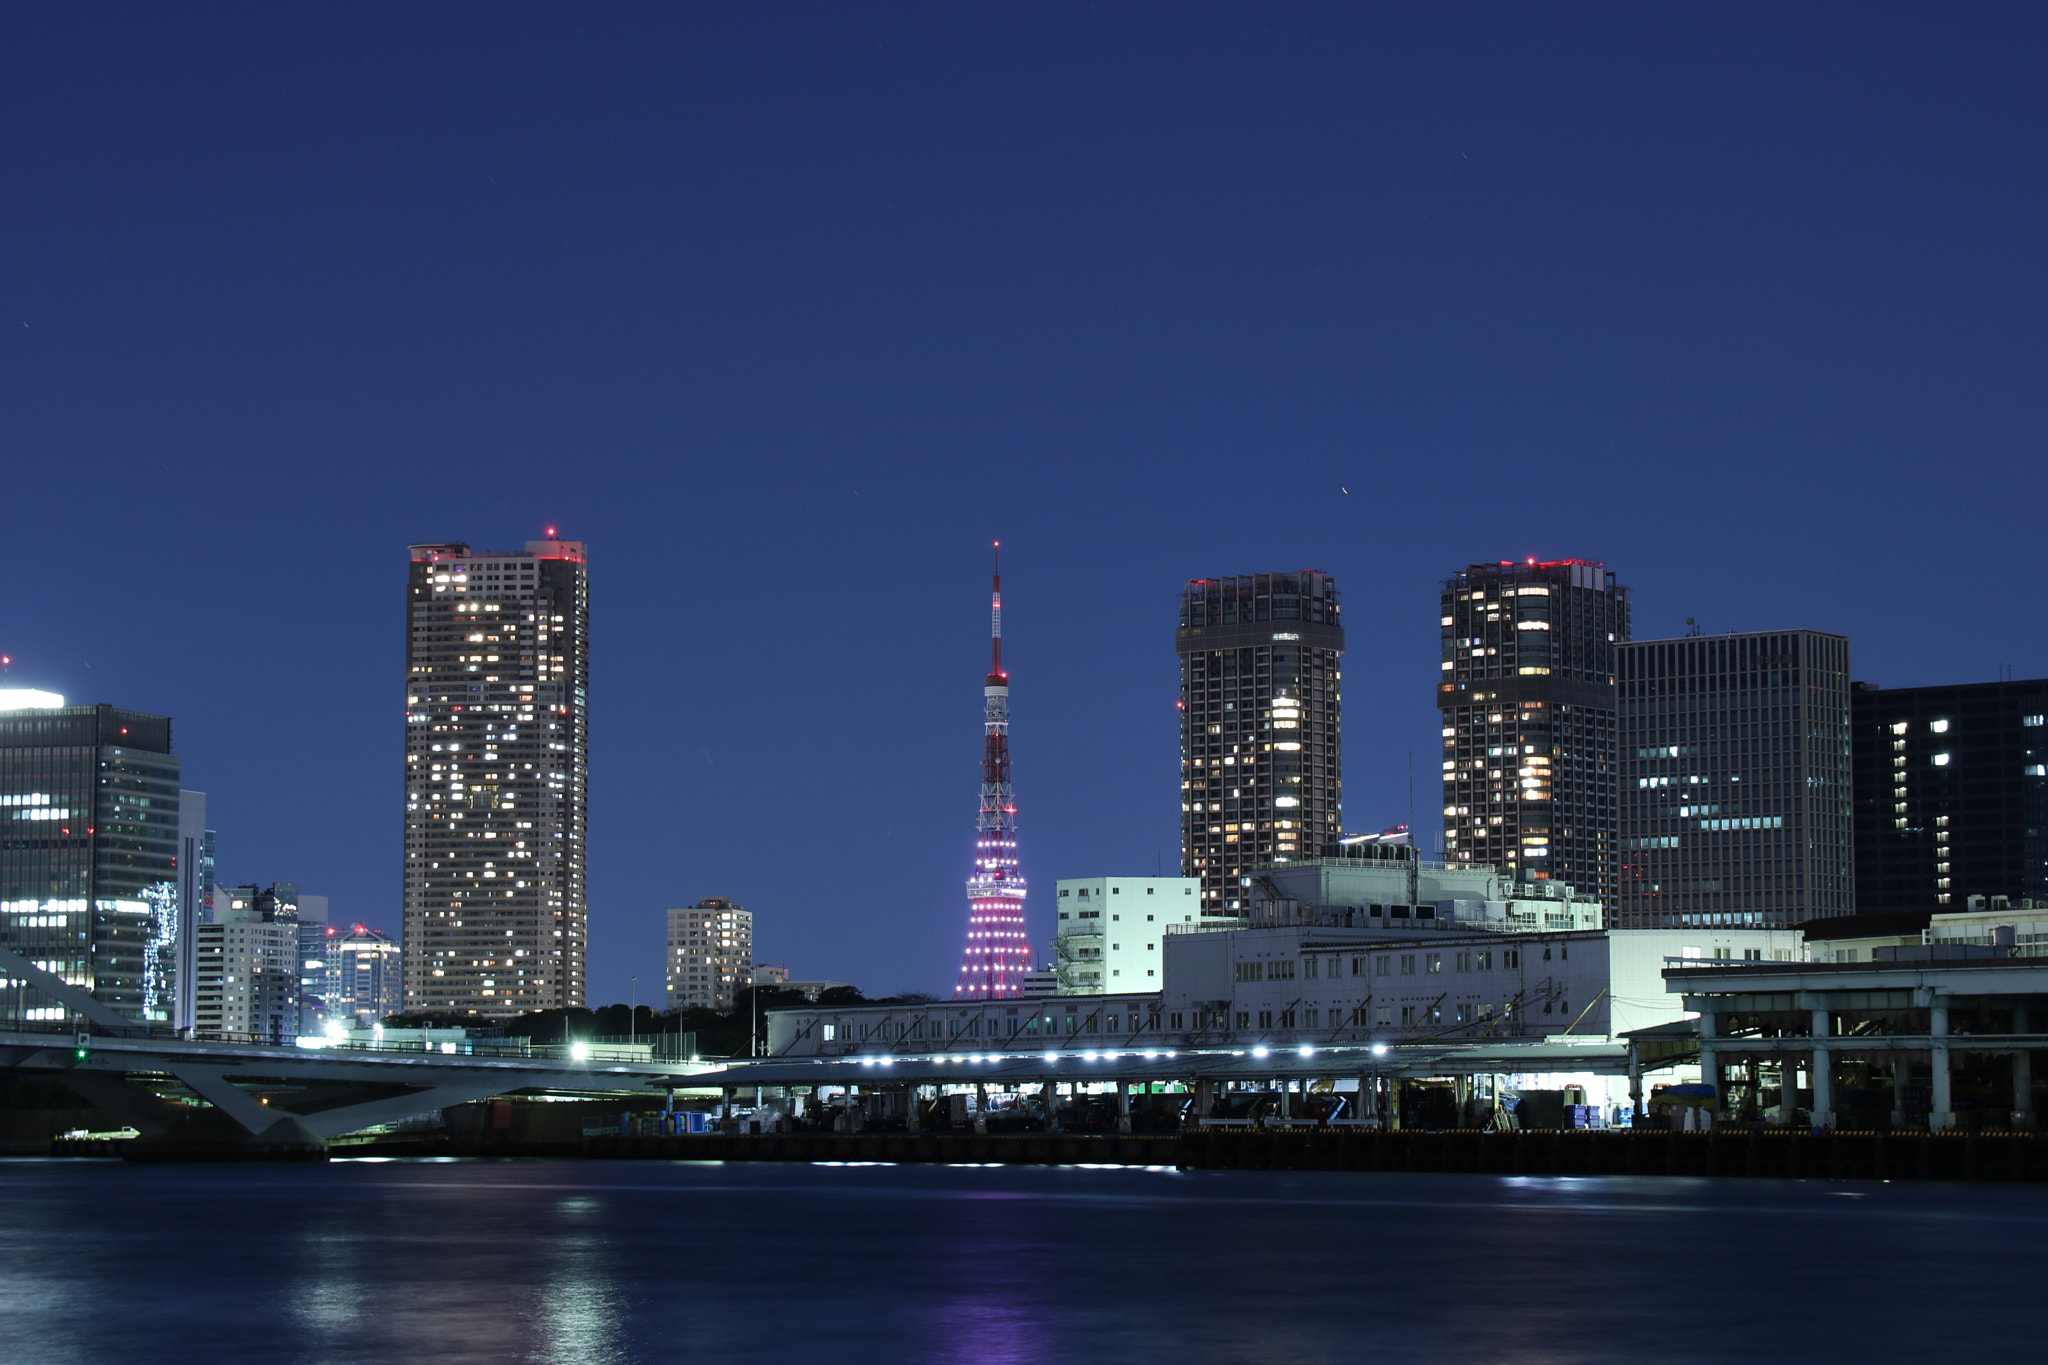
{"x":1692,"y":629}
{"x":995,"y":624}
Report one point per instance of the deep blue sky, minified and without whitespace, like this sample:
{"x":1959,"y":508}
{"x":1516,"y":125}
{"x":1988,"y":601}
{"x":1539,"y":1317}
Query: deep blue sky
{"x":787,"y":311}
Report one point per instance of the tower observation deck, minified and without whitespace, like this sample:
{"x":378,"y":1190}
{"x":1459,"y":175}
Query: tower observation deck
{"x":998,"y":953}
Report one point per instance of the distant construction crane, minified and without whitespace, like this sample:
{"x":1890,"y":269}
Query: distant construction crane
{"x":998,"y":952}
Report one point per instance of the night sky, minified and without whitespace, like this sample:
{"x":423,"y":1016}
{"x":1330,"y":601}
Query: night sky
{"x":789,"y":311}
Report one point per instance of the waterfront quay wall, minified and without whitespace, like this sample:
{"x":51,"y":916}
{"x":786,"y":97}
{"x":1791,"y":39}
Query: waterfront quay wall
{"x":1757,"y":1153}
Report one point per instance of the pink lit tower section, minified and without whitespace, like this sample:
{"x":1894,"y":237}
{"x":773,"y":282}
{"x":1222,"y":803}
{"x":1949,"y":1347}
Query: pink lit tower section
{"x":998,"y":953}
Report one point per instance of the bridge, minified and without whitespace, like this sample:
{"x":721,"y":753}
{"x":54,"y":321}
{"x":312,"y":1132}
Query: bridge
{"x":283,"y":1099}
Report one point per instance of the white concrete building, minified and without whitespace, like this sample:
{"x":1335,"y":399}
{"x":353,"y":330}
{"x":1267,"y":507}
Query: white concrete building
{"x":1295,"y":986}
{"x":1989,"y":922}
{"x":1109,"y":929}
{"x":710,"y":955}
{"x":1309,"y":984}
{"x":248,"y":980}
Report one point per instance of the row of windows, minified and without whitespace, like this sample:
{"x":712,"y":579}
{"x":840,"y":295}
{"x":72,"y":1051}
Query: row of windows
{"x":1382,"y":964}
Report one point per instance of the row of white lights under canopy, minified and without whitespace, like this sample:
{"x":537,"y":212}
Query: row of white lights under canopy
{"x":1305,"y":1050}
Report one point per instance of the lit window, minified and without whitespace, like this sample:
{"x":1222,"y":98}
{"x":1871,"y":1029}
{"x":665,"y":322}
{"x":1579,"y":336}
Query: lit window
{"x":1940,"y":727}
{"x":1941,"y":760}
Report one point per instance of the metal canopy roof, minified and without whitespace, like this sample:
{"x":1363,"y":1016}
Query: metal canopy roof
{"x":1242,"y":1064}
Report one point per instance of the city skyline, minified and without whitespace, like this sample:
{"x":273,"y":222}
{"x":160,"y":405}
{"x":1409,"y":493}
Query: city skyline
{"x":1463,"y":313}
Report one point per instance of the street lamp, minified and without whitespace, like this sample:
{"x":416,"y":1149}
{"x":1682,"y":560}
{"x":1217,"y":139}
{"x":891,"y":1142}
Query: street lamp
{"x":633,"y":1014}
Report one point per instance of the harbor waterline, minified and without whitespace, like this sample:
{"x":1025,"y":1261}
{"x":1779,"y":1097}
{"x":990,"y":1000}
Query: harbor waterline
{"x":597,"y":1261}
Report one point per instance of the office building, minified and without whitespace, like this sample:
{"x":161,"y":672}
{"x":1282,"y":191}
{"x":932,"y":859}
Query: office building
{"x":195,"y":899}
{"x":1735,"y":781}
{"x":1108,"y":929}
{"x":365,"y":984}
{"x":1261,"y":756}
{"x":1526,"y":689}
{"x":1951,"y":794}
{"x":89,"y":828}
{"x":496,"y":736}
{"x":316,"y":962}
{"x":710,"y":955}
{"x":248,"y":977}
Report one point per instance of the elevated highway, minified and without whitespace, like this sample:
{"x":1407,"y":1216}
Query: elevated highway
{"x":285,"y":1096}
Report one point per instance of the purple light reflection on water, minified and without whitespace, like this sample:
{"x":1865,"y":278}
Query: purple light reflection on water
{"x":618,"y":1263}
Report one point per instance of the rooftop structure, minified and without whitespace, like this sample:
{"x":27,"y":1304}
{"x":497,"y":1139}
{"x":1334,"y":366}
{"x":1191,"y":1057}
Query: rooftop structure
{"x":1988,"y":921}
{"x":1385,"y":887}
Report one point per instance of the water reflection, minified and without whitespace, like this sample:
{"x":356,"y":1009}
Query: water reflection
{"x":581,"y":1306}
{"x":624,"y":1264}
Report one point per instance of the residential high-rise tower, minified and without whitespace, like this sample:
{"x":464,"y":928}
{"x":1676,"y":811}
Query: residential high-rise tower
{"x":496,"y":776}
{"x":1260,"y":735}
{"x":1735,"y":781}
{"x":1526,"y":689}
{"x":710,"y":955}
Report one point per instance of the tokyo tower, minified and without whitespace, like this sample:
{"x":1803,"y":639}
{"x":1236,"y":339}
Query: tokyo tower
{"x":997,"y":954}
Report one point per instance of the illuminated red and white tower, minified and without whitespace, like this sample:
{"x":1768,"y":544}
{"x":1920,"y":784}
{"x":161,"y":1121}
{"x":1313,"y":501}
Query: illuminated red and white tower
{"x":998,"y":953}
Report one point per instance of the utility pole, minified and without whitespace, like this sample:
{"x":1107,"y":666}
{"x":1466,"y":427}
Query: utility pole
{"x":633,"y":1014}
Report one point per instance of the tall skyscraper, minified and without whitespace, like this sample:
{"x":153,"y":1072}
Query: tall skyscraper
{"x":195,"y":898}
{"x":998,"y":951}
{"x":365,"y":980}
{"x":1526,"y":689}
{"x":1951,"y":794}
{"x":316,"y":962}
{"x":496,"y":777}
{"x":1735,"y":781}
{"x":1260,"y":734}
{"x":710,"y":955}
{"x":89,"y":855}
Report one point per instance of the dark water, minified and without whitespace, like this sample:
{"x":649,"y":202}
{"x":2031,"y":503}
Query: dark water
{"x":640,"y":1262}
